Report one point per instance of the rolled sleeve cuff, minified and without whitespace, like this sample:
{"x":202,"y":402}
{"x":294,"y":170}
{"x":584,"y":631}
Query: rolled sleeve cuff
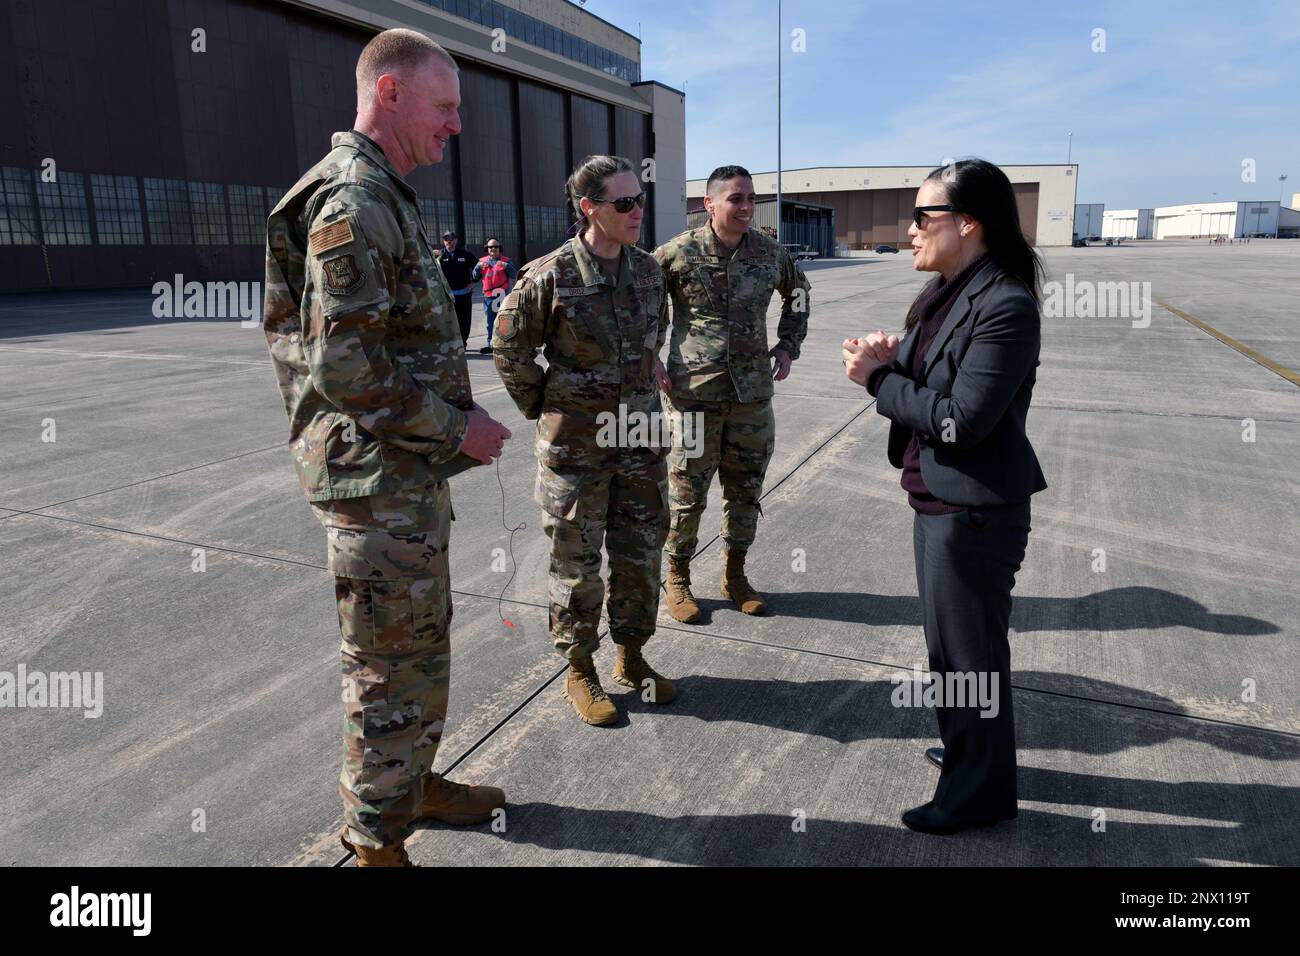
{"x":450,"y":446}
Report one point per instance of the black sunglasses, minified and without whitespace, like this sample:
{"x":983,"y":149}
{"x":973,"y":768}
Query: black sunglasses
{"x":919,"y":217}
{"x":624,"y":204}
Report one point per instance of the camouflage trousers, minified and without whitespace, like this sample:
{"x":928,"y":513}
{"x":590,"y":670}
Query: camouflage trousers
{"x":736,"y":440}
{"x":626,"y":507}
{"x":388,"y":555}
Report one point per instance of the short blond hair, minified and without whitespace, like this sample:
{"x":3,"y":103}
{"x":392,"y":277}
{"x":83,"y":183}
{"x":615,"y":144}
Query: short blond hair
{"x":395,"y":51}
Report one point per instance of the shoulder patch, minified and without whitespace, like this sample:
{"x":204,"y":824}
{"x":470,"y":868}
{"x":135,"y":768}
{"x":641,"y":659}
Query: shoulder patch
{"x":342,"y":275}
{"x":329,"y":237}
{"x":505,"y":324}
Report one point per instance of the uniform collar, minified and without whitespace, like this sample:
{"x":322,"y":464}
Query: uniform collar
{"x":715,"y":247}
{"x":372,"y":151}
{"x":590,"y":270}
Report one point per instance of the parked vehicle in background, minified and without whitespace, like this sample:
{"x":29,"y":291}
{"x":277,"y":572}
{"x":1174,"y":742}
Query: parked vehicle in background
{"x":884,"y":248}
{"x":1080,"y":243}
{"x":798,"y":252}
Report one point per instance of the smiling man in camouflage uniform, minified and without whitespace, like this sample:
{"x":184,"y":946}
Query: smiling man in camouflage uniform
{"x":721,"y":277}
{"x":368,"y":354}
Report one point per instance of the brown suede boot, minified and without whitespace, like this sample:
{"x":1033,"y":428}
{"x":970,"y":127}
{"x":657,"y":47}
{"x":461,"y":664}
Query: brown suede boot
{"x":582,"y":689}
{"x":632,"y":670}
{"x":736,"y":586}
{"x":458,"y":804}
{"x":681,"y":602}
{"x":394,"y":855}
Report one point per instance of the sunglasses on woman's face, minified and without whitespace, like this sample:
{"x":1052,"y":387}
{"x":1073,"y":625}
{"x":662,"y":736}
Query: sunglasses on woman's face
{"x":624,"y":204}
{"x":919,"y":213}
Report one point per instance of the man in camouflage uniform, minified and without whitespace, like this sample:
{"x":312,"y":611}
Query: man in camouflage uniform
{"x":601,"y":338}
{"x":721,"y":277}
{"x":366,"y":347}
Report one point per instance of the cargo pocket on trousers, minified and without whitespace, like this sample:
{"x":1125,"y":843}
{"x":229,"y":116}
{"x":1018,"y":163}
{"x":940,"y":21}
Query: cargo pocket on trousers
{"x":392,"y":590}
{"x":559,"y":594}
{"x":375,"y":616}
{"x":557,"y":493}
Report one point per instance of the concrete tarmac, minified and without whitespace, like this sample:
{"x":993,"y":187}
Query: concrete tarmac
{"x":1157,"y":700}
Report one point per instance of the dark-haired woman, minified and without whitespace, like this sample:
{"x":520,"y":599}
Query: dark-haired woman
{"x":956,"y":393}
{"x":596,"y":306}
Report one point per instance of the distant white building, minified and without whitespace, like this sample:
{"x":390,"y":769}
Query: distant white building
{"x":1127,"y":223}
{"x":1232,"y":220}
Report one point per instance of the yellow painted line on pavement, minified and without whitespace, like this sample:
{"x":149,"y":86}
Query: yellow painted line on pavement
{"x":1275,"y":367}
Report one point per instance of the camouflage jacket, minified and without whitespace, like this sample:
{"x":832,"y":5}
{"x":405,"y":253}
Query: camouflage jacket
{"x":719,"y":345}
{"x":362,"y":329}
{"x":600,"y":342}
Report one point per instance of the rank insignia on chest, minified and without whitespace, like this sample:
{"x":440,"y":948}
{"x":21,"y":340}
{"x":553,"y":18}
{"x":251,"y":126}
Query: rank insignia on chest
{"x":341,"y":274}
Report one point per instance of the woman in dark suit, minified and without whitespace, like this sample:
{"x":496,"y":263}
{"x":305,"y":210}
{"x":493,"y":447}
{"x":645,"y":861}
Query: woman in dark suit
{"x":956,"y":393}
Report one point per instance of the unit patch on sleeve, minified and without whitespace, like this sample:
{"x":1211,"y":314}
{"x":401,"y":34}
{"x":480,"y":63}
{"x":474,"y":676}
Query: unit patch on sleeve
{"x":341,"y":274}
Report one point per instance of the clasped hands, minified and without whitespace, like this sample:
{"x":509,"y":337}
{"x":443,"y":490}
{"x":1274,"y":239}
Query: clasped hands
{"x":863,"y":356}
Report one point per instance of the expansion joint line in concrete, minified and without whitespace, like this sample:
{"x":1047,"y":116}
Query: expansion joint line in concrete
{"x":1277,"y":368}
{"x":143,"y":481}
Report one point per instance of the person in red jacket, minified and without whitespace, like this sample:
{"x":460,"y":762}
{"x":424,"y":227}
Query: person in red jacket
{"x":498,"y":274}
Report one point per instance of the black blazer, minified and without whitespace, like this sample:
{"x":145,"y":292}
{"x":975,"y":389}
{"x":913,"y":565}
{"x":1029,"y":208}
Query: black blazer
{"x":968,"y":408}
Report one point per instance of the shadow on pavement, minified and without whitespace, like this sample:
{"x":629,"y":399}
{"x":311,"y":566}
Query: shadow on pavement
{"x":1034,"y":838}
{"x":847,"y":711}
{"x":1119,"y":609}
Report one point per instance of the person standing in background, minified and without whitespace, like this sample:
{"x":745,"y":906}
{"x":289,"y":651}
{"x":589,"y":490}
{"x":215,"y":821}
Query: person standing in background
{"x":497,"y":273}
{"x":721,"y":277}
{"x":457,"y":266}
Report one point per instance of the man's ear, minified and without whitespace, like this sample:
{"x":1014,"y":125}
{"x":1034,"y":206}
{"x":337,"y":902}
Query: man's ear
{"x":386,"y":90}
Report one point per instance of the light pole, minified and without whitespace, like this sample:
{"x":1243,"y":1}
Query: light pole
{"x":780,"y":43}
{"x":1069,"y":146}
{"x":1281,"y":189}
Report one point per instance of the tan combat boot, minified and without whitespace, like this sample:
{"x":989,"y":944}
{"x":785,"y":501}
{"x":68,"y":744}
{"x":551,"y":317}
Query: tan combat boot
{"x":632,"y":670}
{"x":582,"y":689}
{"x":458,"y":804}
{"x":681,"y":602}
{"x":394,"y":855}
{"x":736,"y":586}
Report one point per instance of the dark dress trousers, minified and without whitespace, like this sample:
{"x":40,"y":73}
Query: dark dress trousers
{"x":967,"y":409}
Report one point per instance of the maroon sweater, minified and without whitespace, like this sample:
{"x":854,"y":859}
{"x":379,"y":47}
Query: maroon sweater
{"x":932,"y":307}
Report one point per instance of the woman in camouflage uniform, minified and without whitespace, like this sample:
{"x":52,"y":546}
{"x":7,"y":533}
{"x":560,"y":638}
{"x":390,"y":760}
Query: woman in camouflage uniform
{"x":596,"y":307}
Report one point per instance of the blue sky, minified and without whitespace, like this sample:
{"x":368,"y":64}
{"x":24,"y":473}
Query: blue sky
{"x":1183,"y":93}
